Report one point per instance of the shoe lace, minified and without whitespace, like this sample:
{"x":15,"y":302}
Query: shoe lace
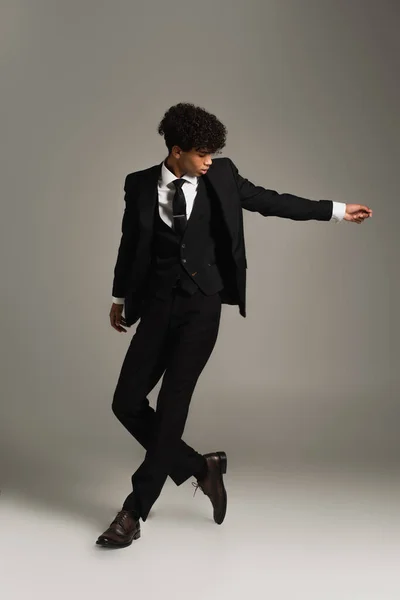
{"x":120,"y":518}
{"x":197,"y":485}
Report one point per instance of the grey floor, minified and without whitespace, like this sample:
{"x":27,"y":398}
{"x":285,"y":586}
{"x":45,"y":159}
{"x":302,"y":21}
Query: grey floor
{"x":290,"y":532}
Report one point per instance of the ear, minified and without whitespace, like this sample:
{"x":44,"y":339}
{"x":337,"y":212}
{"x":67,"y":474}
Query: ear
{"x":176,"y":151}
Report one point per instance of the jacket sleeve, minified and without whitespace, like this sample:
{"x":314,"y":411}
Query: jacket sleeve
{"x":270,"y":203}
{"x":128,"y":243}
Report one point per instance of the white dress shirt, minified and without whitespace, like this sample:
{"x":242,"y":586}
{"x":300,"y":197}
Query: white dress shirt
{"x":166,"y":191}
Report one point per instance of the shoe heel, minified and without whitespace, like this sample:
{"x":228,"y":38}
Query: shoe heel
{"x":223,"y":461}
{"x":137,"y":535}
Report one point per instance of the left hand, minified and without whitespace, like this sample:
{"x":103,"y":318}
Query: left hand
{"x":357,"y":213}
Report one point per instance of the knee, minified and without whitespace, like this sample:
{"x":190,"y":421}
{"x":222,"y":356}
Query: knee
{"x":117,"y":405}
{"x":124,"y":408}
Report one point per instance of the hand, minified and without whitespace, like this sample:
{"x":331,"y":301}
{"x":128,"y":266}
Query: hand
{"x":357,"y":213}
{"x":116,"y":317}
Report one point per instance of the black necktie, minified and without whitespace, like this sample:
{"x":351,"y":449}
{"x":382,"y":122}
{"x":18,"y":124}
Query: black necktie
{"x":179,"y":207}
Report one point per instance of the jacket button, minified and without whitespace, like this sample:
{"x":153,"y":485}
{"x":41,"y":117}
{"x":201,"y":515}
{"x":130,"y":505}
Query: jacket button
{"x":183,"y":245}
{"x":183,"y":260}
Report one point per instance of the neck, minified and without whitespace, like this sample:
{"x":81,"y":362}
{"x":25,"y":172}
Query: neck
{"x":173,"y":166}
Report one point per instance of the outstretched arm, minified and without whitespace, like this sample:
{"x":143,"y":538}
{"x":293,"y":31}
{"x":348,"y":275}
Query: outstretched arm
{"x":288,"y":206}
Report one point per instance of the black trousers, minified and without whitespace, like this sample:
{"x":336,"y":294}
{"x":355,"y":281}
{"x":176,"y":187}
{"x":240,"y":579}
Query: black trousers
{"x":175,"y":337}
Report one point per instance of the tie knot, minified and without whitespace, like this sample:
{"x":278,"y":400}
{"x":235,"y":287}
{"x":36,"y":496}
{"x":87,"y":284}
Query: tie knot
{"x":178,"y":183}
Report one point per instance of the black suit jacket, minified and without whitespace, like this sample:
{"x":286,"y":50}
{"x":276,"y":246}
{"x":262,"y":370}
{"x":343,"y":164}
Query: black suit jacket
{"x":234,"y":193}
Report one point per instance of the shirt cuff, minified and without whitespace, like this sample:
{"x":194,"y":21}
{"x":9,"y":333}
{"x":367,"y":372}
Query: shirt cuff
{"x":338,"y":211}
{"x":118,"y":300}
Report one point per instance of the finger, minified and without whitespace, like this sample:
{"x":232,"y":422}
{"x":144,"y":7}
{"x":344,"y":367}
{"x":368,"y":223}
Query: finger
{"x":116,"y":320}
{"x":118,"y":328}
{"x":113,"y":321}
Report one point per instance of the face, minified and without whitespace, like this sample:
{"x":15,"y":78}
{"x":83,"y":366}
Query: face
{"x":194,"y":162}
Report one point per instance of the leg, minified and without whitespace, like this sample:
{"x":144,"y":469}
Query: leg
{"x":144,"y":364}
{"x":191,"y":339}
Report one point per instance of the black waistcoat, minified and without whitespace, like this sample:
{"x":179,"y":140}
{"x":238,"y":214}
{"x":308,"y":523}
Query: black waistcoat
{"x":189,"y":261}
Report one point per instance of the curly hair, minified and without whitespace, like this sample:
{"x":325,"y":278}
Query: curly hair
{"x":189,"y":126}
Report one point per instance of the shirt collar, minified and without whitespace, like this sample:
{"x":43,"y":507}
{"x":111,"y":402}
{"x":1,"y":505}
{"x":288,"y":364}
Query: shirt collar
{"x":168,"y":177}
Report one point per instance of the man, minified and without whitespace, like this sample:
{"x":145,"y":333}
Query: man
{"x":182,"y":255}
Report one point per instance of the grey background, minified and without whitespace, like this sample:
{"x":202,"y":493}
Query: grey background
{"x":309,"y":93}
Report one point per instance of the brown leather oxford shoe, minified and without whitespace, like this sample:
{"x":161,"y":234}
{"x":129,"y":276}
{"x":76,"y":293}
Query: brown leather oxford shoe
{"x":212,"y":484}
{"x":122,"y":531}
